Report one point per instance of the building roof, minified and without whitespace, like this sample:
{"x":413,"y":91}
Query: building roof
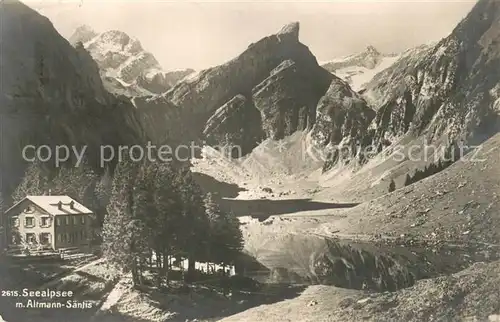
{"x":50,"y":205}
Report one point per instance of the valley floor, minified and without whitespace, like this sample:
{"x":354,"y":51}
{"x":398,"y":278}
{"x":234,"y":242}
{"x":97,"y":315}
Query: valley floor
{"x":425,"y":252}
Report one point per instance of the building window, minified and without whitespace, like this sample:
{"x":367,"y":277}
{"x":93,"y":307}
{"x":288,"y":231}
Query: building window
{"x":29,"y":210}
{"x":67,"y":220}
{"x":29,"y":222}
{"x":14,"y":222}
{"x":83,"y":220}
{"x":45,"y":221}
{"x":60,"y":238}
{"x":30,"y":238}
{"x":75,"y":220}
{"x":45,"y":238}
{"x":58,"y":221}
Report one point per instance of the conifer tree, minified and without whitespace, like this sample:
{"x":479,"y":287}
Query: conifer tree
{"x":226,"y":239}
{"x":123,"y":233}
{"x":193,"y":233}
{"x":164,"y":214}
{"x":34,"y":182}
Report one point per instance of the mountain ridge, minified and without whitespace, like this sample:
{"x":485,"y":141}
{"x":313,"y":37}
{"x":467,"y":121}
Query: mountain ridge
{"x":196,"y":99}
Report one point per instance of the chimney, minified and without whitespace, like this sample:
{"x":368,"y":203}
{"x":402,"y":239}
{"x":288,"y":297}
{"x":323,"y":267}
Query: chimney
{"x":50,"y":192}
{"x":72,"y":204}
{"x":59,"y":205}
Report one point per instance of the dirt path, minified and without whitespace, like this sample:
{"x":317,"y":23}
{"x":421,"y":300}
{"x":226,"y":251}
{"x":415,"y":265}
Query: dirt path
{"x":111,"y":299}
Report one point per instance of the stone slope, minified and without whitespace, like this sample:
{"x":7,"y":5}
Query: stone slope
{"x":460,"y":204}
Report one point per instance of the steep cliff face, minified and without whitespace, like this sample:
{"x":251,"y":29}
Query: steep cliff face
{"x":199,"y":99}
{"x":52,"y":94}
{"x":449,"y":91}
{"x":235,"y":124}
{"x":126,"y":68}
{"x":286,"y":100}
{"x":342,"y":119}
{"x":378,"y":89}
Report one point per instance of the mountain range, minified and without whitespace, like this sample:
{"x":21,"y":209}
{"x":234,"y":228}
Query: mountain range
{"x":443,"y":92}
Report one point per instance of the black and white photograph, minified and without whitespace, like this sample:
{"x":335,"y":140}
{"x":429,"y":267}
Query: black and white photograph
{"x":253,"y":161}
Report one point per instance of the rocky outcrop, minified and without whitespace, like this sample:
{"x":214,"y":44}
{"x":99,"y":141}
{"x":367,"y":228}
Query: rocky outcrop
{"x":52,"y":94}
{"x":342,"y":119}
{"x":380,"y":87}
{"x":450,"y":91}
{"x":235,"y":125}
{"x":286,"y":100}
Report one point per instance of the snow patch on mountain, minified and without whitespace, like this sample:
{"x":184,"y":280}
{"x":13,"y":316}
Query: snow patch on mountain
{"x":359,"y":69}
{"x":358,"y":77}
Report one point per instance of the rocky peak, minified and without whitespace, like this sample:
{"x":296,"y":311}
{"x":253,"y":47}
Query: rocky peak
{"x":290,"y":31}
{"x":359,"y":69}
{"x":115,"y":41}
{"x":82,"y":34}
{"x":126,"y":68}
{"x":372,"y":50}
{"x":369,"y":58}
{"x":277,"y":75}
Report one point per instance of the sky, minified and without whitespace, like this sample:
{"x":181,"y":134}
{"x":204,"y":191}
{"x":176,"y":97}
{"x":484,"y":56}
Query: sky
{"x":187,"y":34}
